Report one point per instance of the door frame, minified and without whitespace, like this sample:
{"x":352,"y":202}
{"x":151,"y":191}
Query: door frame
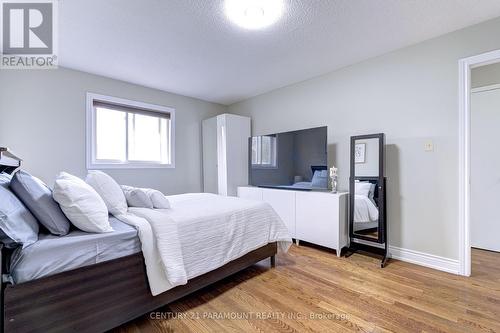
{"x":464,"y":94}
{"x":489,"y":87}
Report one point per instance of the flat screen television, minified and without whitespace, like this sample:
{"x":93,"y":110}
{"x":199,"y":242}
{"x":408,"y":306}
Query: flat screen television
{"x":295,"y":160}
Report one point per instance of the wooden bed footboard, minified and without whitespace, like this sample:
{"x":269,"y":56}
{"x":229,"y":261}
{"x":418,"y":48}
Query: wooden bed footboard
{"x":100,"y":297}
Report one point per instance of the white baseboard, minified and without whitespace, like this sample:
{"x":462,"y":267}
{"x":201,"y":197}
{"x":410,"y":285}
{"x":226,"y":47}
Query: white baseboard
{"x":425,"y":259}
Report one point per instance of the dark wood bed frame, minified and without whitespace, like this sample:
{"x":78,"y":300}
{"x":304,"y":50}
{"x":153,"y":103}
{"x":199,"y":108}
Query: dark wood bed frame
{"x":100,"y":297}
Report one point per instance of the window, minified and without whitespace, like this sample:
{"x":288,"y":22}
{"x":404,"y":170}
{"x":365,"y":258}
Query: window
{"x":264,"y":152}
{"x":128,"y":134}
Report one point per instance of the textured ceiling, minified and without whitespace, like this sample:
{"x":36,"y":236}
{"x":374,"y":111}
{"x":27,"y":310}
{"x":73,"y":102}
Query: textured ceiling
{"x":189,"y":47}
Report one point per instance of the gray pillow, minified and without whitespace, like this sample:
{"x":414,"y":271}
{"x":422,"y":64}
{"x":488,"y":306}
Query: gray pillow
{"x":5,"y":179}
{"x":38,"y":198}
{"x":16,"y":222}
{"x":320,"y":179}
{"x":137,"y":197}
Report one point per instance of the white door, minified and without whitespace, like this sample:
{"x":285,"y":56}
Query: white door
{"x":485,"y":170}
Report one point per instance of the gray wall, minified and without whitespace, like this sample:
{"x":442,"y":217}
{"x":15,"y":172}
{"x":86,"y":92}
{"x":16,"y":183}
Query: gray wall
{"x":411,"y":95}
{"x":43,"y":120}
{"x":370,"y":168}
{"x":485,"y":75}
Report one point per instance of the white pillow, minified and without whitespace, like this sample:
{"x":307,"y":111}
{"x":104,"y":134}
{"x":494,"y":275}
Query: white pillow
{"x":137,"y":197}
{"x":362,"y":188}
{"x":81,"y":204}
{"x":158,"y":199}
{"x":109,"y":190}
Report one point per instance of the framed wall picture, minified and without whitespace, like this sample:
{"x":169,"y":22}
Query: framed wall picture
{"x":359,"y":152}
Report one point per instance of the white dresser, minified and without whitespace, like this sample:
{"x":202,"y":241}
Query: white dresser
{"x":315,"y":217}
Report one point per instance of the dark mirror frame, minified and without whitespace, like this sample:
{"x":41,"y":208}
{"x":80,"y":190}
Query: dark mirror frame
{"x":382,"y":223}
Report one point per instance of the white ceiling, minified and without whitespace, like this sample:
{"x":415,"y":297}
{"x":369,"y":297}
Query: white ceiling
{"x":189,"y":47}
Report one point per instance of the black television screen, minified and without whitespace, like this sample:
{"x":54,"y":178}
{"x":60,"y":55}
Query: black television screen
{"x":291,"y":160}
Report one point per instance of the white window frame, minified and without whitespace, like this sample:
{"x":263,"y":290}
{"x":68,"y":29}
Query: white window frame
{"x":93,"y":163}
{"x":274,"y":154}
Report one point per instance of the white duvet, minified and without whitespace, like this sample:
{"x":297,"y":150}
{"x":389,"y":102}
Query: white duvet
{"x":202,"y":232}
{"x":364,"y":209}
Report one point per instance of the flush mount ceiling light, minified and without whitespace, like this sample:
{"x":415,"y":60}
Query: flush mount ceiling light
{"x":254,"y":14}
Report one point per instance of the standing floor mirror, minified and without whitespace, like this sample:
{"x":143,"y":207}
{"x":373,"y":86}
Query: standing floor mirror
{"x":367,"y":196}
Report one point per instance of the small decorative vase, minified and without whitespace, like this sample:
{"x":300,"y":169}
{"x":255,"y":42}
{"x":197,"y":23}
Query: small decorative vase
{"x":334,"y":184}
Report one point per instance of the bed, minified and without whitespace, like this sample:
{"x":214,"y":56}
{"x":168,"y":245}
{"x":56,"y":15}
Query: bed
{"x":102,"y":296}
{"x":85,"y":282}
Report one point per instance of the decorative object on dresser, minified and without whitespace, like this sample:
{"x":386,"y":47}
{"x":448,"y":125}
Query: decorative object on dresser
{"x":318,"y":217}
{"x":225,"y":153}
{"x":367,"y":196}
{"x":334,"y":178}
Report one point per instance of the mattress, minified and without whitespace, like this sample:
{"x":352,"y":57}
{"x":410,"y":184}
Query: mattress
{"x":213,"y":230}
{"x":53,"y":254}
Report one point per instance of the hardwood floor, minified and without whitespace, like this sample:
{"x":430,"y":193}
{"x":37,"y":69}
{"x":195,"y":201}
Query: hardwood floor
{"x":311,"y":290}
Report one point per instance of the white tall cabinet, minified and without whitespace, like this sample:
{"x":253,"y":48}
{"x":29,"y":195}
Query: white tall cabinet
{"x":315,"y":217}
{"x":225,"y":153}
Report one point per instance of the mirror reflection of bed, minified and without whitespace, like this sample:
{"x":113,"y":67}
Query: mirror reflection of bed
{"x":319,"y":180}
{"x":366,"y":212}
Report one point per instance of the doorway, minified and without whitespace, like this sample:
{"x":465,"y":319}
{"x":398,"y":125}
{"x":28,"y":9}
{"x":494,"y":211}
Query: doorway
{"x":467,"y":67}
